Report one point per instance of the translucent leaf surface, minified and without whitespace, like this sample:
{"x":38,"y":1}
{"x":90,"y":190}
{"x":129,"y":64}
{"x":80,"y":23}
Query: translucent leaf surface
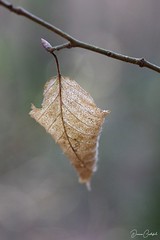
{"x":70,"y":115}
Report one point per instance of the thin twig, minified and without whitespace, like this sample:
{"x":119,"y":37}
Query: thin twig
{"x":73,"y":42}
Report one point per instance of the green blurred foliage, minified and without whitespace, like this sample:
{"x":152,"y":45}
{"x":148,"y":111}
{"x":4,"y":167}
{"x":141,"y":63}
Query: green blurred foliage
{"x":40,"y":197}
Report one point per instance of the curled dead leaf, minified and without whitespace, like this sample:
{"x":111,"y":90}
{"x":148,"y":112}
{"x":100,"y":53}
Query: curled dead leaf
{"x":70,"y":115}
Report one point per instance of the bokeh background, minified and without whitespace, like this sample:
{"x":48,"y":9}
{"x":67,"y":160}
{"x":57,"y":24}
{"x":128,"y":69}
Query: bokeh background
{"x":40,"y":197}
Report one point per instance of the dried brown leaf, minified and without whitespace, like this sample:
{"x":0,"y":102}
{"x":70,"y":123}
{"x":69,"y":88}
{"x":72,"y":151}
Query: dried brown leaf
{"x":70,"y":115}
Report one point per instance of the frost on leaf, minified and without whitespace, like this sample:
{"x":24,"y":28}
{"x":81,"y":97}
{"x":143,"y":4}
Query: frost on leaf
{"x":70,"y":115}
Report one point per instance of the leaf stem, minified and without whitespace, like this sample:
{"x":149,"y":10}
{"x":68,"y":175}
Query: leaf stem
{"x":57,"y":64}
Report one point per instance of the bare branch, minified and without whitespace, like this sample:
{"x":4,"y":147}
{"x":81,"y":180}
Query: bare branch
{"x":65,"y":45}
{"x":21,"y":11}
{"x":141,"y":62}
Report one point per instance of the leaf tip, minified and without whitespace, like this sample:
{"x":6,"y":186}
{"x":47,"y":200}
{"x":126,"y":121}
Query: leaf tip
{"x":106,"y":112}
{"x":33,"y":111}
{"x":88,"y":185}
{"x":32,"y":108}
{"x":85,"y":181}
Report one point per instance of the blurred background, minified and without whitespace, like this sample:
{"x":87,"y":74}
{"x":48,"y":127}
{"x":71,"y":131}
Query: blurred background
{"x":40,"y":197}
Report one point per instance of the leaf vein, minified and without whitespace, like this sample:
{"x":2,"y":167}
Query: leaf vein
{"x":48,"y":107}
{"x":76,"y":116}
{"x":78,"y":130}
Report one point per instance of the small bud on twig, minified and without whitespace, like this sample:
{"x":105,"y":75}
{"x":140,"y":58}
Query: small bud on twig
{"x":46,"y":45}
